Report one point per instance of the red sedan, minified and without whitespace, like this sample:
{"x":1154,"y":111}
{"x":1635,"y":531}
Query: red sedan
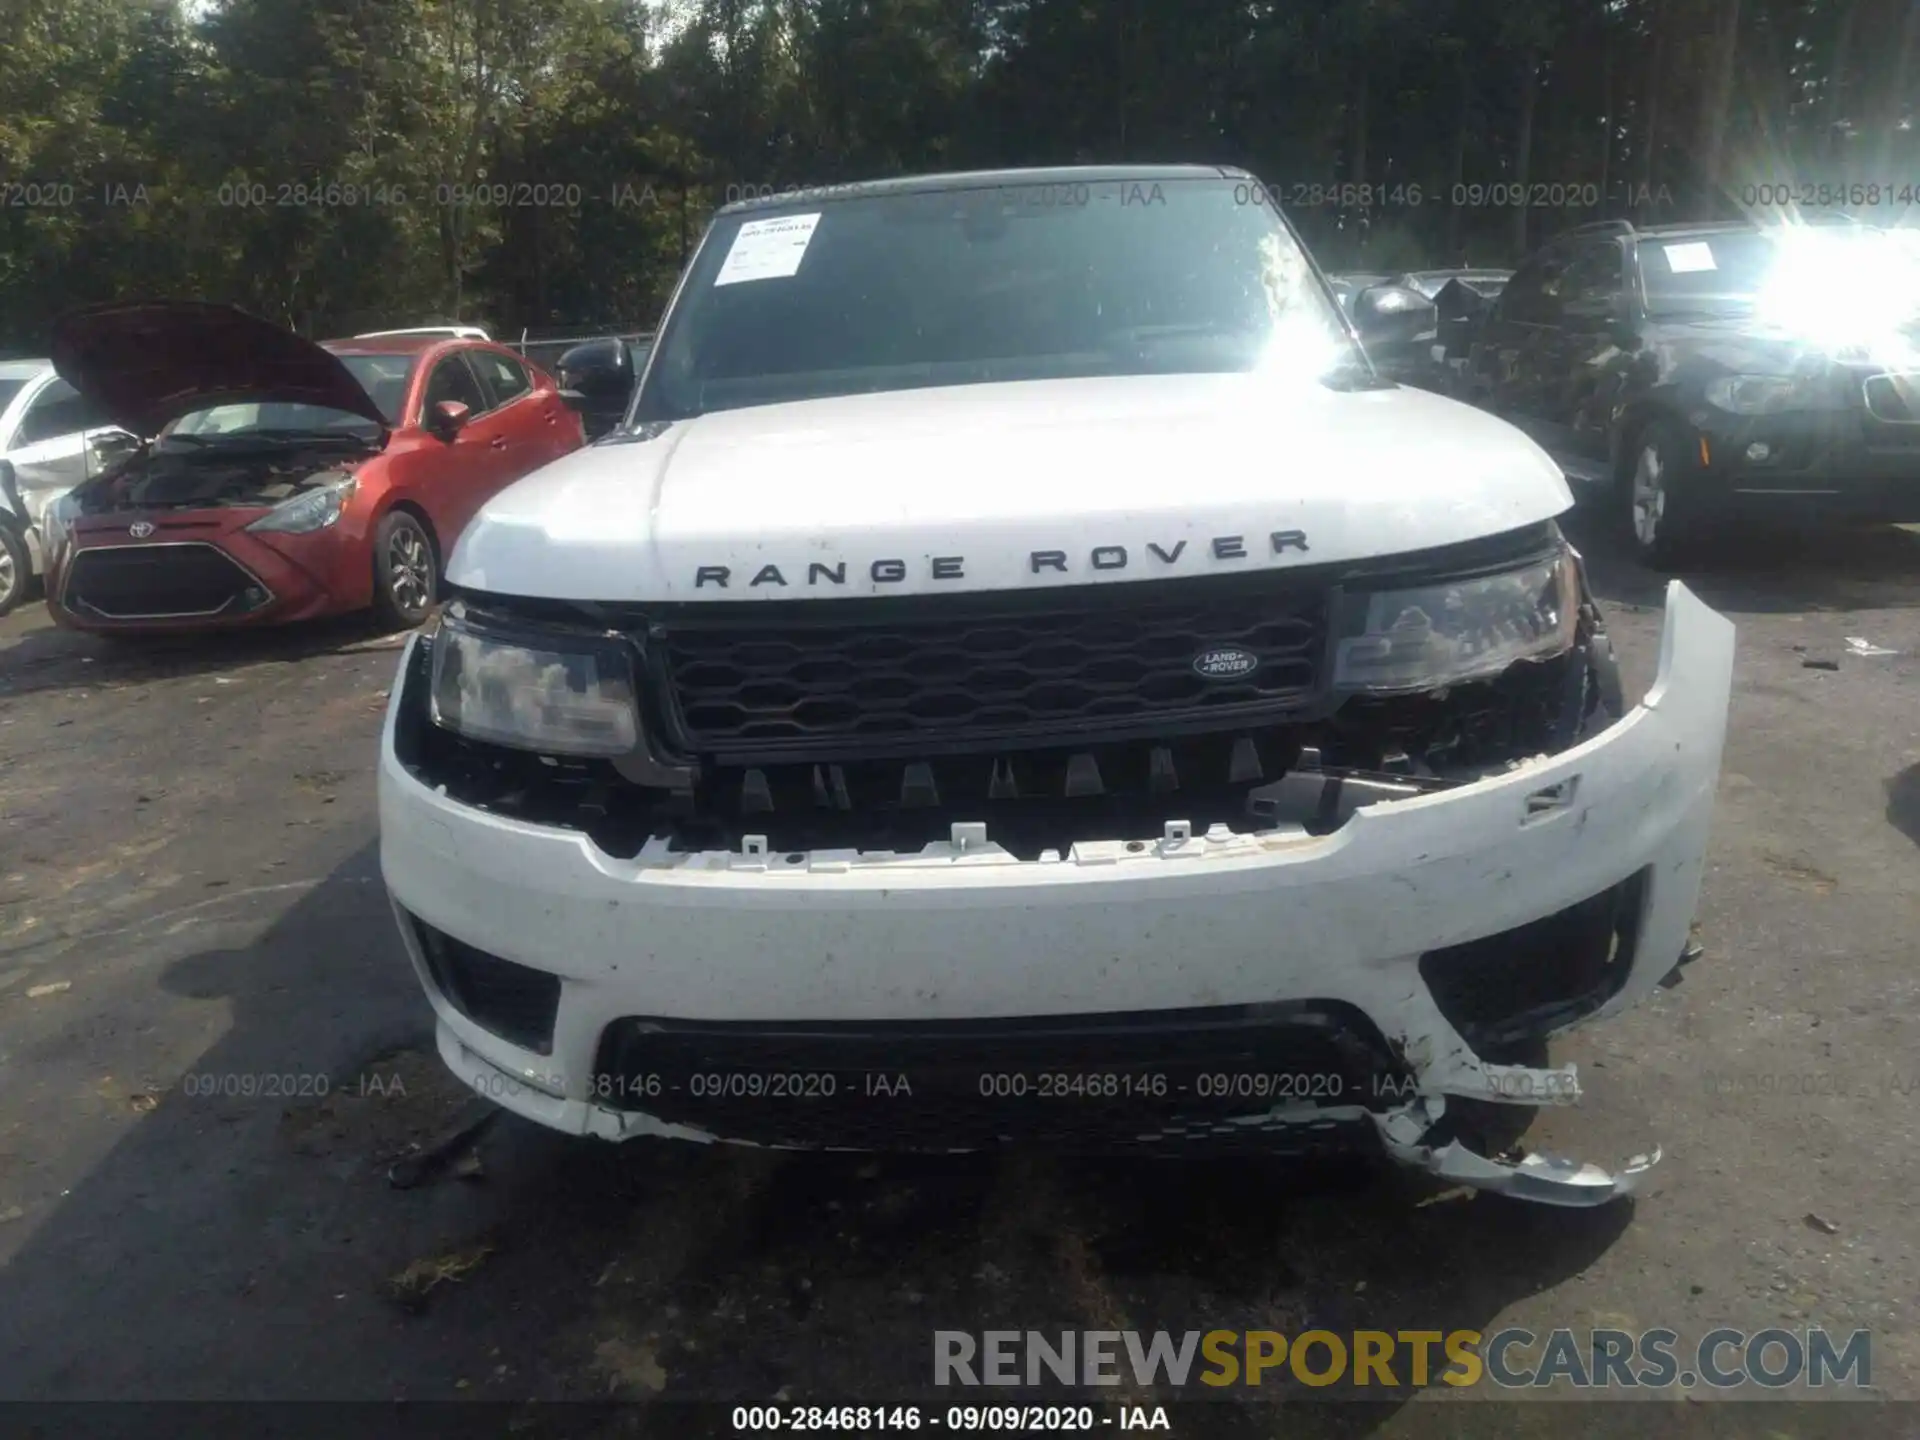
{"x":282,"y":479}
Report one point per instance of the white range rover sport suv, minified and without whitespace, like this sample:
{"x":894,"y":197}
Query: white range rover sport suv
{"x":1018,"y":674}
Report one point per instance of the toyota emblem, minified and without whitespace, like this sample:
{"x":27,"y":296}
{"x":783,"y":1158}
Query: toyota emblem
{"x":140,"y":529}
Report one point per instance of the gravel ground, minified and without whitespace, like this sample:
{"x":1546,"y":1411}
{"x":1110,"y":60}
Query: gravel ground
{"x":189,"y":888}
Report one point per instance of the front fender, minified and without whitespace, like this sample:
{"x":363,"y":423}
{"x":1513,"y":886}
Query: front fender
{"x":1633,"y":416}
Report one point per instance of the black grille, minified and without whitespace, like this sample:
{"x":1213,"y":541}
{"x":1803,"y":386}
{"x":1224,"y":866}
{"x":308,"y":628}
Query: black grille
{"x":1529,"y":981}
{"x":134,"y":582}
{"x":1095,"y":1084}
{"x":515,"y":1002}
{"x":927,"y":677}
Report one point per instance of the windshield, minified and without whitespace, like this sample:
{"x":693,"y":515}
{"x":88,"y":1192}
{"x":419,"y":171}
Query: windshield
{"x":974,"y":285}
{"x":384,"y":377}
{"x":1782,"y":267}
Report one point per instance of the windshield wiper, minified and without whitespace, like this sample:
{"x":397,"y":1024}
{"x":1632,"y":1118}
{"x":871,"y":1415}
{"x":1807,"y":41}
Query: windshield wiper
{"x":309,"y":437}
{"x":1353,"y":373}
{"x":271,"y":439}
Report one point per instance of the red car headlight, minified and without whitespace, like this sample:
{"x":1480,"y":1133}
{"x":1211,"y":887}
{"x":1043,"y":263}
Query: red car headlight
{"x":311,"y":510}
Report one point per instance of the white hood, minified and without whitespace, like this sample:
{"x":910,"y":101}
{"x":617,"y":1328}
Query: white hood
{"x":997,"y":487}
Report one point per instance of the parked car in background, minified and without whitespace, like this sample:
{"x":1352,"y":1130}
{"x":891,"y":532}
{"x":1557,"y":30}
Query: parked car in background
{"x":1462,"y":303}
{"x":1348,"y":284}
{"x":452,"y":332}
{"x":1430,"y":355}
{"x":1686,"y":373}
{"x":546,"y":351}
{"x":282,"y":479}
{"x":1400,"y":325}
{"x":598,"y":373}
{"x":51,"y":439}
{"x":1431,"y":282}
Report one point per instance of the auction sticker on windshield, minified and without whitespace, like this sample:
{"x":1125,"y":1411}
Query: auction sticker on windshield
{"x":1687,"y":259}
{"x":768,"y":249}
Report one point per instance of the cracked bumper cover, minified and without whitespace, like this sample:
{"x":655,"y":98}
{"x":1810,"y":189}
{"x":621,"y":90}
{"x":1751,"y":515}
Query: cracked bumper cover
{"x":963,"y":931}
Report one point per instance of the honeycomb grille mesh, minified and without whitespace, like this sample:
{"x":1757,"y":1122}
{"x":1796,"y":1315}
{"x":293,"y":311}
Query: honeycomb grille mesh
{"x":1041,"y":672}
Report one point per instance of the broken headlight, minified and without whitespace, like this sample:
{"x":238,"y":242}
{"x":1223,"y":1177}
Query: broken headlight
{"x":1435,"y":635}
{"x":557,"y":694}
{"x":1767,"y":394}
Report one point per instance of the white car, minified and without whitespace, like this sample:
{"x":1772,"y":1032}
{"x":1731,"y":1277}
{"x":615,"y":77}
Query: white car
{"x":1018,"y":675}
{"x":51,"y":438}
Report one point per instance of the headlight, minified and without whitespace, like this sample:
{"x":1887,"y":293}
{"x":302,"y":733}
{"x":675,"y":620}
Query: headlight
{"x":303,"y":514}
{"x":56,"y":521}
{"x":559,"y":695}
{"x":1436,"y":635}
{"x":1761,"y":394}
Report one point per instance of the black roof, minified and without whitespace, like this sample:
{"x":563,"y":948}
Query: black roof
{"x":984,"y":180}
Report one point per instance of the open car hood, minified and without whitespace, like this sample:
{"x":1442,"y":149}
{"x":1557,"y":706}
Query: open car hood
{"x":150,"y":362}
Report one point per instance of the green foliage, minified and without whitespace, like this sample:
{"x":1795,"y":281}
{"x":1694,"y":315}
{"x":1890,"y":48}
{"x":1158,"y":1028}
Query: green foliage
{"x":338,"y":164}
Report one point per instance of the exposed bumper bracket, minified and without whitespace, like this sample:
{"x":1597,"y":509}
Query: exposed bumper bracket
{"x":1543,"y":1179}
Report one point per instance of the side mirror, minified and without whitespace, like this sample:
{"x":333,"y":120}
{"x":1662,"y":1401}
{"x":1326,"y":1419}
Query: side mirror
{"x":446,"y":418}
{"x":601,"y":370}
{"x":1389,"y":315}
{"x":596,"y":382}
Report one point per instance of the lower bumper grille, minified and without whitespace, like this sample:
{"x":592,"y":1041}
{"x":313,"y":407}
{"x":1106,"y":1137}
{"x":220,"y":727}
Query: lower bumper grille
{"x":175,"y":580}
{"x":1523,"y":983}
{"x":515,"y":1002}
{"x":1094,"y":1084}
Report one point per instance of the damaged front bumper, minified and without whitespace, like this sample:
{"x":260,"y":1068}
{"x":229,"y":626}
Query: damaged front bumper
{"x":1404,"y":1133}
{"x":1545,"y":1179}
{"x":752,"y":947}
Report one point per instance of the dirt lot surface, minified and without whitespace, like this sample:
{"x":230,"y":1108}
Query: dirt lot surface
{"x":189,"y":892}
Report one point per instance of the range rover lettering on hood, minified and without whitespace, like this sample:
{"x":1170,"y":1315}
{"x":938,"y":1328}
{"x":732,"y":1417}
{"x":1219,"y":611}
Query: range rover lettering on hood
{"x":894,"y":571}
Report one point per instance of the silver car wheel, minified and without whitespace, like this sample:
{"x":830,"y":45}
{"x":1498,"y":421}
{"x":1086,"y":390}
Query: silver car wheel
{"x":409,"y":569}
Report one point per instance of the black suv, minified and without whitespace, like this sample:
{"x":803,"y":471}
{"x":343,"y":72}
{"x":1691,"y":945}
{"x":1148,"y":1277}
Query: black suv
{"x":1686,"y":372}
